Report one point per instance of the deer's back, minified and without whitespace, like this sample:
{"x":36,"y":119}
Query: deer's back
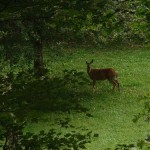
{"x":102,"y":74}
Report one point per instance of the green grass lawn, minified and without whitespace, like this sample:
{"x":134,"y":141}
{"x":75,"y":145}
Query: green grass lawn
{"x":109,"y":114}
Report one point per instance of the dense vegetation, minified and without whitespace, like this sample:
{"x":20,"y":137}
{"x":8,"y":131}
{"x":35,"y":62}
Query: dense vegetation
{"x":38,"y":23}
{"x":43,"y":48}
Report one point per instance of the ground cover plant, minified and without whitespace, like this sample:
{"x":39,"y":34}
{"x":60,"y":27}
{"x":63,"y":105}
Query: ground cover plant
{"x":62,"y":111}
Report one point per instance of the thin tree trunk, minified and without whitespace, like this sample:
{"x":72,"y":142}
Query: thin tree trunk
{"x":38,"y":58}
{"x":8,"y":54}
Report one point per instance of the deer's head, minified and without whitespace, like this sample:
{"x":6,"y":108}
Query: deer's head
{"x":89,"y":65}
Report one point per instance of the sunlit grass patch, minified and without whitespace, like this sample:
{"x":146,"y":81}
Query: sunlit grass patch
{"x":111,"y":113}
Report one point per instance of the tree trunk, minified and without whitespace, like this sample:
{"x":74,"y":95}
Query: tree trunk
{"x":38,"y":59}
{"x":7,"y":51}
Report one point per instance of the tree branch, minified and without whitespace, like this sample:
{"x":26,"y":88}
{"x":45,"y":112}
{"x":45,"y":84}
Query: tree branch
{"x":25,"y":19}
{"x":6,"y":6}
{"x":6,"y":111}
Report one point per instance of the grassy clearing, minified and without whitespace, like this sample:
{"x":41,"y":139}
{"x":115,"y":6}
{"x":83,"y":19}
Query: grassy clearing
{"x":109,"y":114}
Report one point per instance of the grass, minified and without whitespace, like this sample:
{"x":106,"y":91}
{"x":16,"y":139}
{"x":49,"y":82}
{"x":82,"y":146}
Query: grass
{"x":112,"y":112}
{"x":107,"y":114}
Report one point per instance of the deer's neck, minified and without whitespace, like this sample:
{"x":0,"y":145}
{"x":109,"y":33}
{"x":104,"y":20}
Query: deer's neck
{"x":89,"y":70}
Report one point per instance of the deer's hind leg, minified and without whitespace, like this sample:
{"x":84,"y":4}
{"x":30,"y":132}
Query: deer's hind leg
{"x":113,"y":82}
{"x":118,"y":84}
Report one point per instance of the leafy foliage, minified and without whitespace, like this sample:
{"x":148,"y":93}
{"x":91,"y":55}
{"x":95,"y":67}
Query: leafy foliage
{"x":14,"y":119}
{"x":75,"y":21}
{"x":145,"y":114}
{"x":38,"y":23}
{"x":14,"y":138}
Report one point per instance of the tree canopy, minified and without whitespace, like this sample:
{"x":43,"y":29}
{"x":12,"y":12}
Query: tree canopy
{"x":38,"y":22}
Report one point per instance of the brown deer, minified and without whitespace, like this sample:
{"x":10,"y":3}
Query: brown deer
{"x":103,"y":74}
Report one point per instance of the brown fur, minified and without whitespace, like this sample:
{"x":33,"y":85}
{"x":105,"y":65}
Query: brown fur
{"x":103,"y":74}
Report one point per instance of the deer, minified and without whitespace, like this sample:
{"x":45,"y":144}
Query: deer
{"x":109,"y":74}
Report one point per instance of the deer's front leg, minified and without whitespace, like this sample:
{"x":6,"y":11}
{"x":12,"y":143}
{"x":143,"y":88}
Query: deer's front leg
{"x":94,"y":82}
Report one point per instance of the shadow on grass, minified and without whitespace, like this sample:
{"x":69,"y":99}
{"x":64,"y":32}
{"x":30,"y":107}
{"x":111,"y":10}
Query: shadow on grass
{"x":13,"y":136}
{"x":49,"y":94}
